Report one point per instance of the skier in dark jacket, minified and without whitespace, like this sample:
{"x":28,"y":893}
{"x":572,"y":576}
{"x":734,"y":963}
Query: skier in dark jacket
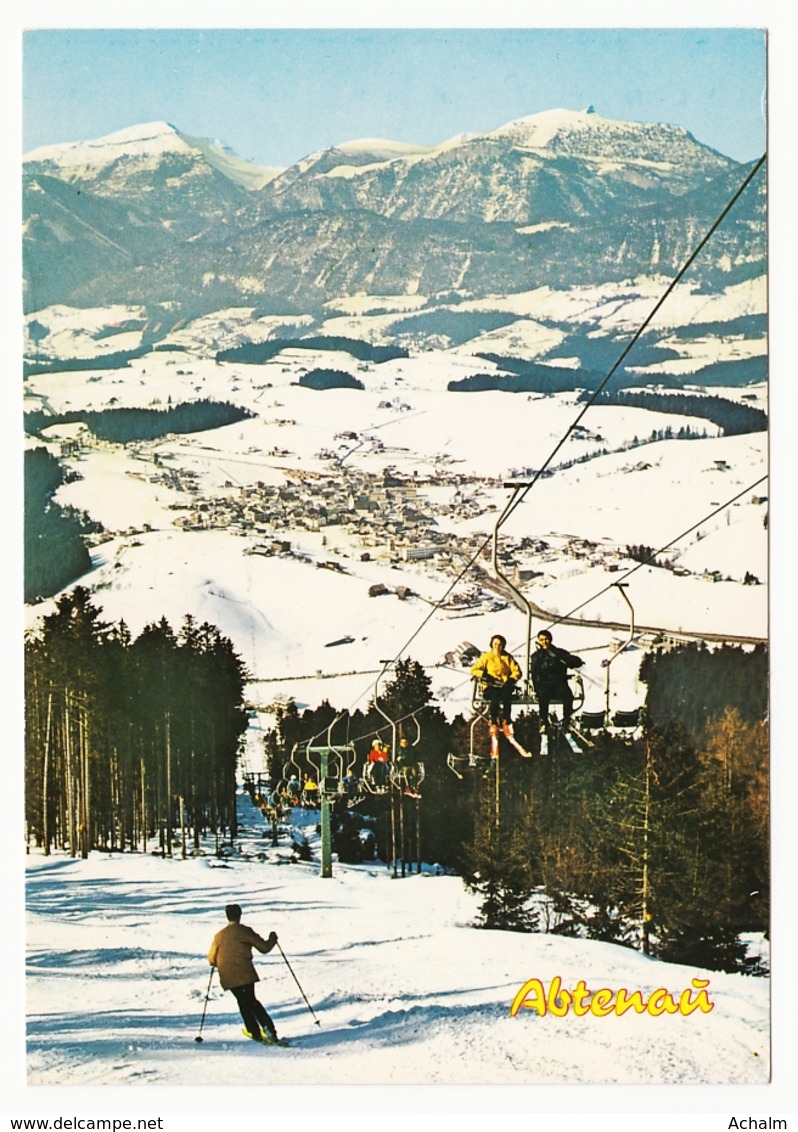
{"x":406,"y":769}
{"x":231,"y":953}
{"x":549,"y":668}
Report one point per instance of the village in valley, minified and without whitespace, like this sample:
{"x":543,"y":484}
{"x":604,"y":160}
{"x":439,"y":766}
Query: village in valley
{"x":433,"y":519}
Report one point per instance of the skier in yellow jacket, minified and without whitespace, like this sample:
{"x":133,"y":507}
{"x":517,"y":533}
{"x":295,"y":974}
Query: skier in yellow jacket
{"x":499,"y":673}
{"x":231,"y":954}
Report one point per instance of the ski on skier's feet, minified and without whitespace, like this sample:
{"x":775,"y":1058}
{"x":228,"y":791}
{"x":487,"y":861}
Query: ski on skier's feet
{"x":511,"y":739}
{"x":494,"y":740}
{"x":569,"y":739}
{"x":587,"y":742}
{"x":264,"y":1038}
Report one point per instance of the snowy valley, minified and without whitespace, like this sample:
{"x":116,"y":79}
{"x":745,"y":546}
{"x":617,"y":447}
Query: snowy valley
{"x":195,"y":524}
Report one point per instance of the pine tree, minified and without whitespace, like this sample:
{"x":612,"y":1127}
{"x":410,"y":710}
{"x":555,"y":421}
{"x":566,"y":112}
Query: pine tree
{"x":126,"y":740}
{"x":497,"y":869}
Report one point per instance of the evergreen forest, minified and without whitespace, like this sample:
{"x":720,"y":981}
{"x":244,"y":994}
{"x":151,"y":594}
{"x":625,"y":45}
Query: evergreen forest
{"x":329,"y":379}
{"x":123,"y":425}
{"x":131,"y":744}
{"x":258,"y":353}
{"x":733,"y":419}
{"x":656,"y":839}
{"x":55,"y":550}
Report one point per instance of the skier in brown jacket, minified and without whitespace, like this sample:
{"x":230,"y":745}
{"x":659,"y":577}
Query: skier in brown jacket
{"x":231,"y":954}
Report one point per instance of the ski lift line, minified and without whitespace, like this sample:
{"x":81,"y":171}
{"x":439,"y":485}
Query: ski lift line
{"x":374,"y":428}
{"x":326,"y":731}
{"x":397,"y":420}
{"x":518,"y":498}
{"x":622,"y":580}
{"x":306,"y":744}
{"x":651,"y":557}
{"x":402,"y":719}
{"x":520,"y":495}
{"x":386,"y":664}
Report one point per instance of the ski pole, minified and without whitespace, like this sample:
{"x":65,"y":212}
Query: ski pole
{"x":296,"y":980}
{"x":199,"y":1037}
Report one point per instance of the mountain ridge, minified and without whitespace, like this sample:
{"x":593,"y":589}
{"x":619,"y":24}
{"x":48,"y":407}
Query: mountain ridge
{"x":481,"y":213}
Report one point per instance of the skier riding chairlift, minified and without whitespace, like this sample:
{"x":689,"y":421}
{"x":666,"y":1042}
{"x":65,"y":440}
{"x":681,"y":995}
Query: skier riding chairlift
{"x":498,"y":673}
{"x":377,"y":770}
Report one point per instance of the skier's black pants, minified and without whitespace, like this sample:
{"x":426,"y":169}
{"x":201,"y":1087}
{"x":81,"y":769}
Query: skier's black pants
{"x":378,"y":773}
{"x":499,"y":699}
{"x":254,"y":1014}
{"x":562,"y":695}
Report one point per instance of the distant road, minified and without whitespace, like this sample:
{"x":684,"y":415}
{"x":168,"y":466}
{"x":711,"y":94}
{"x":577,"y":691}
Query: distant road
{"x":499,"y":587}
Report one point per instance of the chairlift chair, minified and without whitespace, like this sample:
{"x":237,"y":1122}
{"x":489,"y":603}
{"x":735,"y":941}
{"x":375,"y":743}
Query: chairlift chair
{"x":628,"y":722}
{"x":282,"y":783}
{"x":339,"y":760}
{"x":459,"y":763}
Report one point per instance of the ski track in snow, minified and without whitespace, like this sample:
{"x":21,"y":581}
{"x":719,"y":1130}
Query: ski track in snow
{"x":404,"y":989}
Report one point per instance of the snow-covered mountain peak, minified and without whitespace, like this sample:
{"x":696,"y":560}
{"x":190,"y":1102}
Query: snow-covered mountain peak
{"x":541,"y":128}
{"x":143,"y":132}
{"x":145,"y":145}
{"x":147,"y":139}
{"x":584,"y":133}
{"x":383,"y":148}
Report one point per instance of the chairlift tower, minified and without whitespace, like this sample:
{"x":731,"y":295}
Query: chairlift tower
{"x":385,"y":666}
{"x":330,"y":769}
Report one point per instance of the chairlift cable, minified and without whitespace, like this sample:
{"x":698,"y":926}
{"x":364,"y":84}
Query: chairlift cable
{"x":646,"y":562}
{"x":651,"y":557}
{"x":520,"y":496}
{"x":636,"y":336}
{"x":510,"y":507}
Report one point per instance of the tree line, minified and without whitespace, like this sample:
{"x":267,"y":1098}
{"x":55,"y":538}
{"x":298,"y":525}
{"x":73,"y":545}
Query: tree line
{"x":658,"y":842}
{"x":130,"y":424}
{"x":732,"y":417}
{"x":329,"y":379}
{"x":131,"y":744}
{"x":258,"y":353}
{"x":118,"y":359}
{"x":55,"y":550}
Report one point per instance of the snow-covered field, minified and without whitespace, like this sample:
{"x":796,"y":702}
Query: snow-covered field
{"x":283,"y":613}
{"x":402,"y":989}
{"x":408,"y":1006}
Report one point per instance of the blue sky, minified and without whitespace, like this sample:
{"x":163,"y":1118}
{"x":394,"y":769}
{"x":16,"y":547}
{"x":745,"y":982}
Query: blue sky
{"x":275,"y":95}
